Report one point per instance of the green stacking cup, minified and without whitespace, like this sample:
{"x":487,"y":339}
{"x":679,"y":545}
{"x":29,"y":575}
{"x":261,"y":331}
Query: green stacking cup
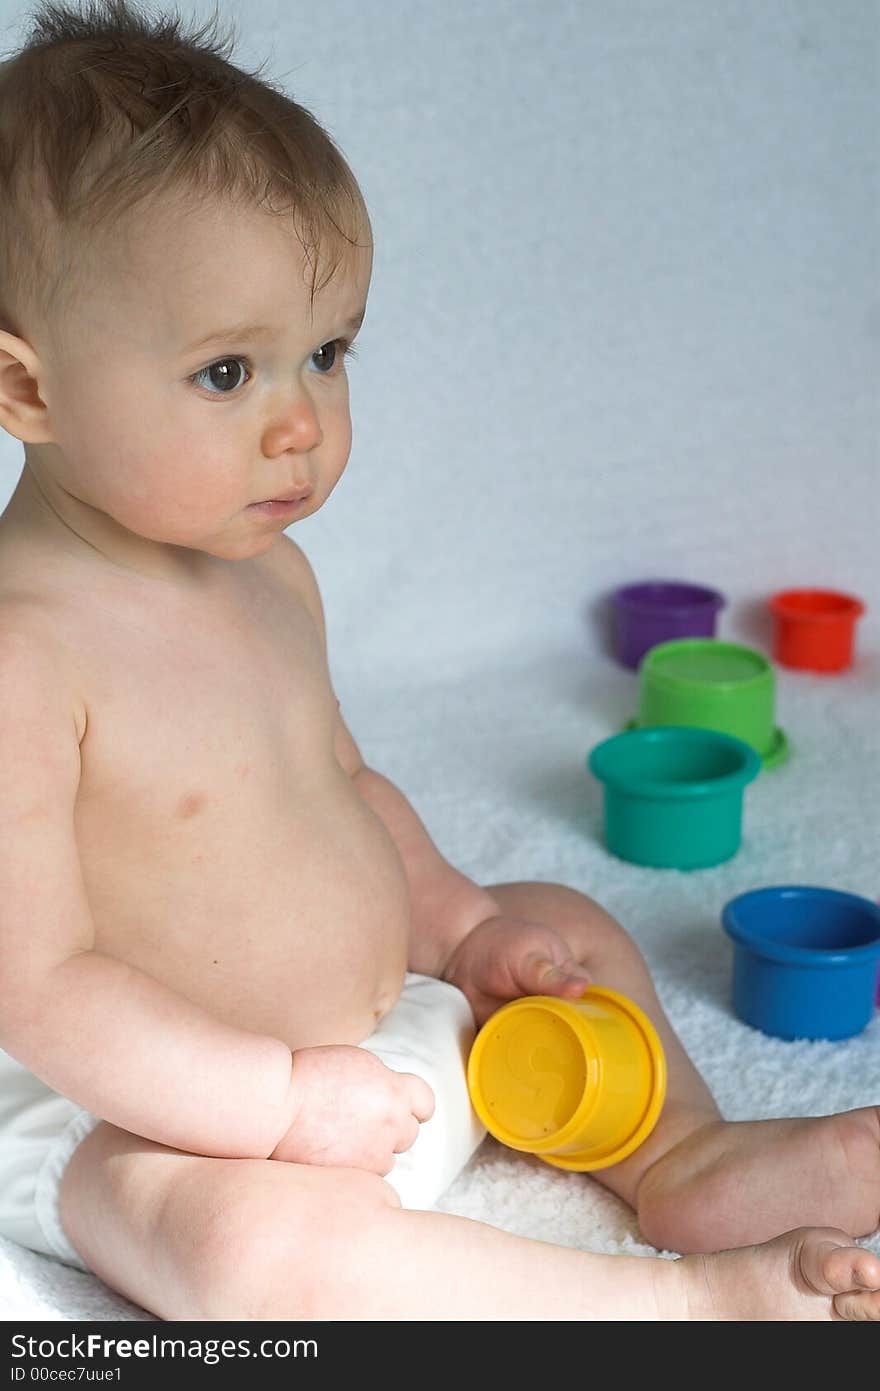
{"x":709,"y":684}
{"x":674,"y":795}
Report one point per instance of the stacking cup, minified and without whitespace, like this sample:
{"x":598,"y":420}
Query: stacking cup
{"x":709,"y":684}
{"x":815,"y":628}
{"x":655,"y":611}
{"x":674,"y":795}
{"x":805,"y":960}
{"x":580,"y":1083}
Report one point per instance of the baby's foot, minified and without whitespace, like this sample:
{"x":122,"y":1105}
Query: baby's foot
{"x":810,"y":1274}
{"x":735,"y":1182}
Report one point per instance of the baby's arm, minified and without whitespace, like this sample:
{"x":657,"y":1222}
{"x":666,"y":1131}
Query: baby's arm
{"x":109,"y":1036}
{"x":101,"y":1032}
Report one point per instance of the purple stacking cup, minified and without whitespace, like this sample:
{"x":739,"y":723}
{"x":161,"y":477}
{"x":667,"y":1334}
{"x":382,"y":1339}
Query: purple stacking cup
{"x":654,"y":611}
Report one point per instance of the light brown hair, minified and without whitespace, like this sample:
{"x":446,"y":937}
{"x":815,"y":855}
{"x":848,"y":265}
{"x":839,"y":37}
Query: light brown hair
{"x":106,"y":109}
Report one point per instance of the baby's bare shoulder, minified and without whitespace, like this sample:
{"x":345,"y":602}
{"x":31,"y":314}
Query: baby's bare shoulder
{"x":29,"y":612}
{"x":36,"y":666}
{"x":32,"y":581}
{"x":293,"y":569}
{"x":38,"y":648}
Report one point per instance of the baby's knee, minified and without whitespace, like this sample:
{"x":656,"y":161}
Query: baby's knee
{"x":608,"y":937}
{"x":291,"y":1250}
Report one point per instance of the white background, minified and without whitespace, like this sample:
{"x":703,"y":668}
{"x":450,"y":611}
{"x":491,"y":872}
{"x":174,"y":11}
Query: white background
{"x":624,"y":319}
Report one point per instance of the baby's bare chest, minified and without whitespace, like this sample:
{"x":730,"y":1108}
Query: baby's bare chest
{"x":197,"y":718}
{"x":223,"y":848}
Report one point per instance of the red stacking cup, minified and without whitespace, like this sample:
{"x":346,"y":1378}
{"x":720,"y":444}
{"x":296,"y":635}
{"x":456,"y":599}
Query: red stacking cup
{"x":815,"y":628}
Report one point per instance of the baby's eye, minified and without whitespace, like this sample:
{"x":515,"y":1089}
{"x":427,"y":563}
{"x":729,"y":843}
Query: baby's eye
{"x":222,"y":373}
{"x":331,"y":355}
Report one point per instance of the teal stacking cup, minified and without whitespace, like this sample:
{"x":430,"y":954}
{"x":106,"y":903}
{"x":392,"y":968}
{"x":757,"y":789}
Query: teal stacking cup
{"x":674,"y":794}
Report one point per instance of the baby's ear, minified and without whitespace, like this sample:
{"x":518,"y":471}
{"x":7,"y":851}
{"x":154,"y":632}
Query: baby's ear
{"x":23,"y":413}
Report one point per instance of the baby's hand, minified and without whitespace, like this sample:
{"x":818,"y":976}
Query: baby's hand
{"x":505,"y":958}
{"x":352,"y":1111}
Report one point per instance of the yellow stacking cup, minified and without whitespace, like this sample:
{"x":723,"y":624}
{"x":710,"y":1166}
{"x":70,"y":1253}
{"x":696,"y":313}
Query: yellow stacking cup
{"x":580,"y":1083}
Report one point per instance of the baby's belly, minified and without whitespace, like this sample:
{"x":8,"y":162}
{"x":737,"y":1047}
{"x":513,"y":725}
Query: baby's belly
{"x":290,"y":920}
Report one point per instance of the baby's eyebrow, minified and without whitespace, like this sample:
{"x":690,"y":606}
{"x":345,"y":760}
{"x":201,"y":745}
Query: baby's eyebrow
{"x":246,"y":333}
{"x":243,"y":332}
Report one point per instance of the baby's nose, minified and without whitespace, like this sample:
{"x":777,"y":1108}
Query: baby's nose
{"x":297,"y":426}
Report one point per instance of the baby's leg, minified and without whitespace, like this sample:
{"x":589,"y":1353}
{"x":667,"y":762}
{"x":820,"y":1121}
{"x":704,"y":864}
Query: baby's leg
{"x":188,"y":1237}
{"x":700,"y":1183}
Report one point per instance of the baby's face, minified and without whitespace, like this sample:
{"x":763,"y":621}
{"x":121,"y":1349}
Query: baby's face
{"x":183,"y":441}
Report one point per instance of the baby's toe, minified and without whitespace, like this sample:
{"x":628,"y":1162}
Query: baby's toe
{"x":848,"y":1270}
{"x":858,"y":1307}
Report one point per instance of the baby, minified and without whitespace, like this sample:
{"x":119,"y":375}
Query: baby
{"x":238,"y":982}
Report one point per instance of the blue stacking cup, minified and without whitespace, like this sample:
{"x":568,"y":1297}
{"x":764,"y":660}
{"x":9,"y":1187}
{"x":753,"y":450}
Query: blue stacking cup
{"x":805,"y":960}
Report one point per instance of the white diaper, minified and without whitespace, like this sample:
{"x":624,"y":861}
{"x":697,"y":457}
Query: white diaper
{"x":429,"y":1031}
{"x":39,"y":1130}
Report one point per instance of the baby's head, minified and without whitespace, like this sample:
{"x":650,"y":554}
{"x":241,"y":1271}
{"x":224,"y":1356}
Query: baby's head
{"x":184,"y":258}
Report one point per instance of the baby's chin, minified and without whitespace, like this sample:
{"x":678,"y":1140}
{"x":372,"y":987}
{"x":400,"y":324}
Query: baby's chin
{"x":244,"y":548}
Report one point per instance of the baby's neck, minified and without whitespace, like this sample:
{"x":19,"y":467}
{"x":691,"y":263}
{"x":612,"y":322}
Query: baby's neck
{"x":44,"y":515}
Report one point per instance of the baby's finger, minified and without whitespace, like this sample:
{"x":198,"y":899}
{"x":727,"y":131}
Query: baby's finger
{"x":575,"y":980}
{"x":421,"y":1097}
{"x":409,"y":1135}
{"x":569,"y":978}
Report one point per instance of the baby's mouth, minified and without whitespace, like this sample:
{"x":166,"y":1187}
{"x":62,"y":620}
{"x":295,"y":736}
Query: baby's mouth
{"x":291,"y":500}
{"x":297,"y":495}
